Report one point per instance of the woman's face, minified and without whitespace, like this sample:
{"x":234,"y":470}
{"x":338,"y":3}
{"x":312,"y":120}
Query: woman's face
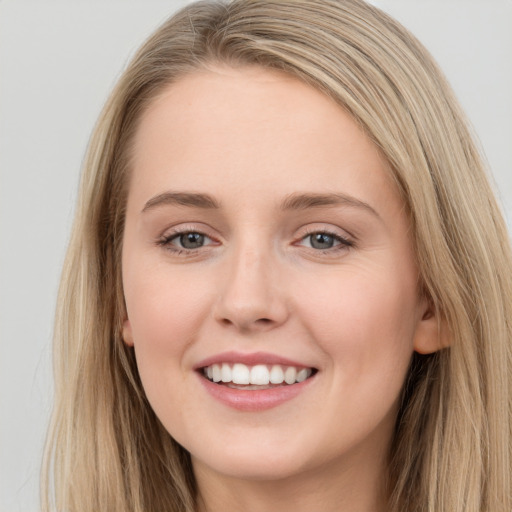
{"x":265,"y":240}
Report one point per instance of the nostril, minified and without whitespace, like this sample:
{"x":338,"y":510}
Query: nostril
{"x":259,"y":323}
{"x":263,"y":323}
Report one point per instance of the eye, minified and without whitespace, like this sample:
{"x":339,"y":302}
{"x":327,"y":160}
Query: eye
{"x":184,"y":241}
{"x":191,"y":240}
{"x":325,"y":241}
{"x":321,"y":241}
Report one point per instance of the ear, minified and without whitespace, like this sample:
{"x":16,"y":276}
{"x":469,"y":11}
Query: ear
{"x":127,"y":333}
{"x":432,"y":333}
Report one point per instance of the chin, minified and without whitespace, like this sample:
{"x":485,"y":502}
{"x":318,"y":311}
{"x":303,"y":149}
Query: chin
{"x":252,"y":462}
{"x":258,"y":468}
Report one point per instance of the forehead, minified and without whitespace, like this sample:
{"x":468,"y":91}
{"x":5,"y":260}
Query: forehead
{"x":223,"y":100}
{"x":252,"y":129}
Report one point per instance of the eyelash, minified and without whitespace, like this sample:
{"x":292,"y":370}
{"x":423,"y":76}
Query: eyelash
{"x":166,"y":241}
{"x":344,"y":243}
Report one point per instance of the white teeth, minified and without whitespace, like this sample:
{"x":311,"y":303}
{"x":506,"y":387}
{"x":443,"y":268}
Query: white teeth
{"x":290,"y":375}
{"x":302,"y":374}
{"x":258,"y":375}
{"x":276,"y":375}
{"x":217,"y":374}
{"x":240,"y":374}
{"x":225,"y":373}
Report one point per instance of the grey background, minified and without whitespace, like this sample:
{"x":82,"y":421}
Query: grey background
{"x":58,"y":61}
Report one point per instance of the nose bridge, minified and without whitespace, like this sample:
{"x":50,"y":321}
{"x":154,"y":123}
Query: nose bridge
{"x":250,"y":296}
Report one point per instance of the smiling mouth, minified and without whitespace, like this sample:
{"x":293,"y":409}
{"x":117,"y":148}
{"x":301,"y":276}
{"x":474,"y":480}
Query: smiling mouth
{"x":257,"y":377}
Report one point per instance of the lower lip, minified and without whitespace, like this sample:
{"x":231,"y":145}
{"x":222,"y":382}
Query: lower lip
{"x":254,"y":400}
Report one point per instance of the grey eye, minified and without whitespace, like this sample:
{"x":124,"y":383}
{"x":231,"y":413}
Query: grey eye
{"x":191,"y":240}
{"x":321,"y":241}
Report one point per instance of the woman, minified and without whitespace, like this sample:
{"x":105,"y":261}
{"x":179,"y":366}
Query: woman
{"x":288,"y":284}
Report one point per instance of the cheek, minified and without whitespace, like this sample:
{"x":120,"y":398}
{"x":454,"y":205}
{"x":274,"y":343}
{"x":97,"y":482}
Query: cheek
{"x":165,"y":310}
{"x":365,"y":323}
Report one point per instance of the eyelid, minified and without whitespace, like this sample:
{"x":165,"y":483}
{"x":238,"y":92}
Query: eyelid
{"x":337,"y":233}
{"x":187,"y":227}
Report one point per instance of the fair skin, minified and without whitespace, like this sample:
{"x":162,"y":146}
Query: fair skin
{"x":326,"y":284}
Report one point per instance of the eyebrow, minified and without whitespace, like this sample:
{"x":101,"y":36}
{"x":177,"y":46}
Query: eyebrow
{"x":295,"y":201}
{"x":190,"y":199}
{"x":299,"y":201}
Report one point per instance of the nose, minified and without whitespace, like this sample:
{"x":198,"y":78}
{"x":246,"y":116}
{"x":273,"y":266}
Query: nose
{"x":251,"y":297}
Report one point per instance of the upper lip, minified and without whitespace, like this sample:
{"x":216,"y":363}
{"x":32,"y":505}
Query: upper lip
{"x":249,"y":359}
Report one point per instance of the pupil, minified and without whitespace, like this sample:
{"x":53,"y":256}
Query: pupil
{"x":191,"y":240}
{"x":321,"y":241}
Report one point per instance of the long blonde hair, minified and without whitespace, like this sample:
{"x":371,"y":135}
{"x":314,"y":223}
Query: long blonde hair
{"x":451,"y":451}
